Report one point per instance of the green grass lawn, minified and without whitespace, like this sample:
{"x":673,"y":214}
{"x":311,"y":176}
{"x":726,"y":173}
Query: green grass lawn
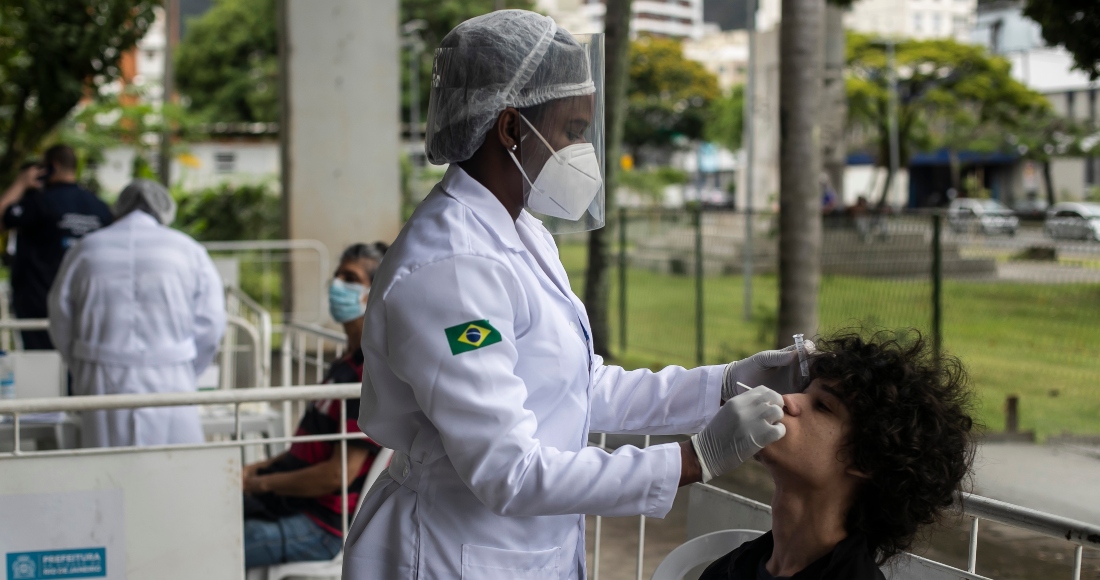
{"x":1040,"y":342}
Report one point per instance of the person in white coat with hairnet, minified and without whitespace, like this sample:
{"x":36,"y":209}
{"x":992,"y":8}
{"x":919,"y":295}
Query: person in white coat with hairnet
{"x":480,"y":372}
{"x":138,"y":308}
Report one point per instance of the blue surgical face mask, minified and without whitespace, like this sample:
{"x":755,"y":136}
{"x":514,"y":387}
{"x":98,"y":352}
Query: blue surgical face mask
{"x":345,"y":300}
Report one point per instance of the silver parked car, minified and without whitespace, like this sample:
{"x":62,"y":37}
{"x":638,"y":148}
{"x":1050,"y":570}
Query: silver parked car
{"x":1073,"y":221}
{"x":987,"y":216}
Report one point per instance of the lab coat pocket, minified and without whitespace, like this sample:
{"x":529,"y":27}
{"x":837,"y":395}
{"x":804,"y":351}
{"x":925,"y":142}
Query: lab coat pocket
{"x":485,"y":563}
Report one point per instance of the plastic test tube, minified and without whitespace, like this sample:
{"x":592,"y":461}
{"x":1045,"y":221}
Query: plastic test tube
{"x":800,"y":345}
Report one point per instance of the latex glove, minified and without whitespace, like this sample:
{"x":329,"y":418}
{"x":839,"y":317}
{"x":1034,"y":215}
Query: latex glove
{"x":741,"y":428}
{"x":776,"y":369}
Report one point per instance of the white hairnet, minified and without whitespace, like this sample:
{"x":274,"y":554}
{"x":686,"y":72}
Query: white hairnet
{"x":148,"y":196}
{"x":508,"y":58}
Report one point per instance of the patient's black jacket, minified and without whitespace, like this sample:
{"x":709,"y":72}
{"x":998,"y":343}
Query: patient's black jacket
{"x":849,"y":560}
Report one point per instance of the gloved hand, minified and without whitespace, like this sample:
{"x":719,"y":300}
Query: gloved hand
{"x":743,"y":426}
{"x":776,"y":369}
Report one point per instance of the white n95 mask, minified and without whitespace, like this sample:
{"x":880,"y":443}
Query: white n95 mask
{"x":568,"y":182}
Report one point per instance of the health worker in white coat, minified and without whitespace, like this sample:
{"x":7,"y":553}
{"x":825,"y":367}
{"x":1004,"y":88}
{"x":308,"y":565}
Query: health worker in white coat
{"x":138,"y":307}
{"x":480,"y":372}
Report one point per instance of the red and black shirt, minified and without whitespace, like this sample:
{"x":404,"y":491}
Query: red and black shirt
{"x":323,"y":418}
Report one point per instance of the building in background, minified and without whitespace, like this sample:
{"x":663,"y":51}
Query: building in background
{"x":671,"y":18}
{"x":921,"y":19}
{"x":235,"y":153}
{"x":1002,"y":28}
{"x":725,"y":53}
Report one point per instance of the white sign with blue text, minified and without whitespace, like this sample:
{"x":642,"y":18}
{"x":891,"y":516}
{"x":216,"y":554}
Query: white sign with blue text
{"x":78,"y":534}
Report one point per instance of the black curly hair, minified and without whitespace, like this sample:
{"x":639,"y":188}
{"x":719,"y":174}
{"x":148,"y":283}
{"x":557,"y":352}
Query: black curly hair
{"x":911,"y":431}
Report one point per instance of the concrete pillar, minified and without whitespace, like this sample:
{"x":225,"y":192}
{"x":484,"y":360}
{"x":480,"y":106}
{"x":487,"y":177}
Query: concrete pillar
{"x":340,"y":108}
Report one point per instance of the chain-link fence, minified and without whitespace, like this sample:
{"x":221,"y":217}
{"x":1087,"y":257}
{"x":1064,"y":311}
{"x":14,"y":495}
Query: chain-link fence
{"x":1019,"y":307}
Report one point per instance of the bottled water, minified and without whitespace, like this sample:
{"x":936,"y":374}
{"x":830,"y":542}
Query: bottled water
{"x":7,"y":376}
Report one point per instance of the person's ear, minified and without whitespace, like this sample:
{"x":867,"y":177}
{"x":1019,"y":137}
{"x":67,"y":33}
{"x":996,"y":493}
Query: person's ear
{"x":508,"y":128}
{"x":857,"y":473}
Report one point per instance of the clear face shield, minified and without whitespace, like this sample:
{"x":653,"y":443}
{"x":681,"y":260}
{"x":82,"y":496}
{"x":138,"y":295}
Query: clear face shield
{"x":561,"y":152}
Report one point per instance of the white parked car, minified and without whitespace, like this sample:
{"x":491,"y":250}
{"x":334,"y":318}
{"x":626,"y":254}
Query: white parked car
{"x":986,"y":216}
{"x":1073,"y":221}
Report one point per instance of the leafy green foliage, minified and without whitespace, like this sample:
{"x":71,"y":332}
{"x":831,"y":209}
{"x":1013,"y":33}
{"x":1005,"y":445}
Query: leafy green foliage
{"x":439,"y":17}
{"x":228,"y":212}
{"x":228,"y":66}
{"x":651,"y":183}
{"x":727,"y":116}
{"x":228,"y":63}
{"x":668,"y":95}
{"x":52,"y":54}
{"x":1071,"y":24}
{"x":950,"y":95}
{"x":114,"y":120}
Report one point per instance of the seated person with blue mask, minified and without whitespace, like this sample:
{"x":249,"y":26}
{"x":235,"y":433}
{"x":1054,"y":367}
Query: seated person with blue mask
{"x":292,"y":502}
{"x":876,"y":447}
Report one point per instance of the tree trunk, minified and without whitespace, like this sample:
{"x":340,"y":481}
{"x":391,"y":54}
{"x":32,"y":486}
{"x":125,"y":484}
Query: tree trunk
{"x":956,"y":170}
{"x":1048,"y":181}
{"x":834,"y":117}
{"x":887,"y":184}
{"x":596,"y":280}
{"x":801,"y":65}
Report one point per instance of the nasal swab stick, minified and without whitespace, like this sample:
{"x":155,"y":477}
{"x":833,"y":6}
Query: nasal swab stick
{"x":800,"y":345}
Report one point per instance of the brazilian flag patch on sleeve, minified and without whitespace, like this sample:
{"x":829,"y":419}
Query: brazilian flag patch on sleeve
{"x":471,"y":336}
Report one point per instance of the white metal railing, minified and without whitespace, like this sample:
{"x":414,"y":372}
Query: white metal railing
{"x":304,"y":346}
{"x":261,"y":363}
{"x":1080,"y":534}
{"x":274,"y":254}
{"x":242,"y":307}
{"x":235,"y":397}
{"x":10,"y":327}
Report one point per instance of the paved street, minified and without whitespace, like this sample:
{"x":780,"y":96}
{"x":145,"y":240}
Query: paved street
{"x":1057,"y":479}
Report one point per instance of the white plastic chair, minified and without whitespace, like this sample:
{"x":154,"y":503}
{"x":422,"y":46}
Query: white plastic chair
{"x":326,"y":568}
{"x":689,"y":559}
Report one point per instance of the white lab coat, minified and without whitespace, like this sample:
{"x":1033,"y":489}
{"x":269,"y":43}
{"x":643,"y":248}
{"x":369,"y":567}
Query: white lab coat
{"x":492,"y":473}
{"x":137,"y":308}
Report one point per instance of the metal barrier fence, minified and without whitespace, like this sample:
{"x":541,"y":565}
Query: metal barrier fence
{"x":1018,"y":309}
{"x":262,"y":267}
{"x":255,"y":372}
{"x":234,"y":397}
{"x":254,"y":321}
{"x":1080,"y":534}
{"x":713,"y":509}
{"x":305,"y":353}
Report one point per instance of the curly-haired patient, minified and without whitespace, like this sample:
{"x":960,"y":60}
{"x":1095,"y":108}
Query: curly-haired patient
{"x":877,"y":446}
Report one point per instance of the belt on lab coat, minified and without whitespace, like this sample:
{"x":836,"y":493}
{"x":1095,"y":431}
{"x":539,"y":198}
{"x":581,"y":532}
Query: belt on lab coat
{"x":180,"y":352}
{"x":405,"y":471}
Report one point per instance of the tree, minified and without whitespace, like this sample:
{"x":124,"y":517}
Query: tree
{"x":439,"y":17}
{"x":1071,"y":24}
{"x":727,"y":119}
{"x":669,"y":95}
{"x":52,"y":54}
{"x":227,"y":65}
{"x":950,"y":95}
{"x":616,"y":71}
{"x":1042,"y":135}
{"x":801,"y":66}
